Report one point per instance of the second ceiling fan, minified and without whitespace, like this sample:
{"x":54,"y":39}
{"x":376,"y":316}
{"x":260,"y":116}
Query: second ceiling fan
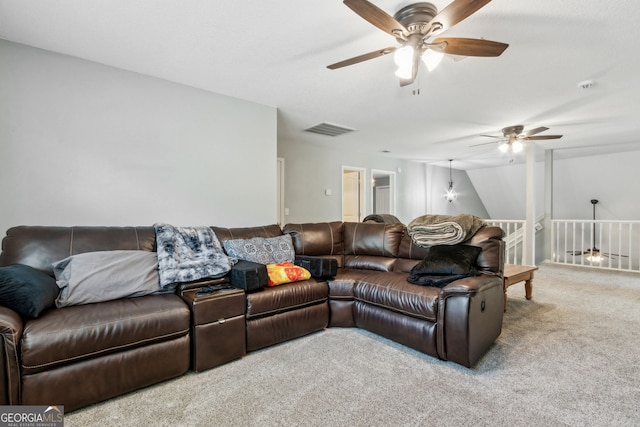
{"x":413,"y":27}
{"x":513,"y":135}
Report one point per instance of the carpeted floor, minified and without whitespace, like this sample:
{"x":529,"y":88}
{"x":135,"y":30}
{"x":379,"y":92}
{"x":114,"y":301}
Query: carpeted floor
{"x":569,"y":357}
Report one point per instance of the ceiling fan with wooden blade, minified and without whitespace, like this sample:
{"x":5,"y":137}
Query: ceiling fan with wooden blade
{"x":378,"y":17}
{"x":595,"y":254}
{"x":513,"y":135}
{"x":361,"y":58}
{"x":413,"y":26}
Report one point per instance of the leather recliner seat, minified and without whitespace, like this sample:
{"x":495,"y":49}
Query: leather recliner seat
{"x":458,"y":322}
{"x":284,"y":312}
{"x":84,"y":354}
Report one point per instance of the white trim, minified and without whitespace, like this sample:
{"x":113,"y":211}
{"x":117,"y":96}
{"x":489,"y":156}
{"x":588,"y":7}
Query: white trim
{"x":280,"y":191}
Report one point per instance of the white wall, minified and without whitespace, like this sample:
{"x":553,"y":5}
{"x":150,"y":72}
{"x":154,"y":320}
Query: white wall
{"x":311,"y":169}
{"x":86,"y":144}
{"x":467,"y":202}
{"x":503,"y":190}
{"x":609,"y":178}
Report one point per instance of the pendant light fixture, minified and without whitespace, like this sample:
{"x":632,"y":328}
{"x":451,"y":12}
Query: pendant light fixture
{"x":451,"y":195}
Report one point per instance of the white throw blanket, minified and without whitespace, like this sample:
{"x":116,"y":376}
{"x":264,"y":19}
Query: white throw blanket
{"x":429,"y":230}
{"x":186,"y":254}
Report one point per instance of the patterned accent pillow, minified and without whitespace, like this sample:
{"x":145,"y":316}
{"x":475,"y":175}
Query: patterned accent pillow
{"x":264,"y":250}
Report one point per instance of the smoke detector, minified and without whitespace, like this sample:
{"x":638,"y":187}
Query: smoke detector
{"x":586,"y":84}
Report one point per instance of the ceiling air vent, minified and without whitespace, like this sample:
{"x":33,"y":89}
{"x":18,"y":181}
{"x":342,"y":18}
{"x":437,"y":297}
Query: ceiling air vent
{"x":329,"y":129}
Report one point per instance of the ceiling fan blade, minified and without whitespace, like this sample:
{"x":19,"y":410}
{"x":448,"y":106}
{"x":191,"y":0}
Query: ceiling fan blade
{"x":469,"y":47}
{"x":493,"y":136}
{"x":376,"y":16}
{"x":406,"y":82}
{"x":539,"y":137}
{"x":534,"y":131}
{"x":618,"y":255}
{"x":455,"y":12}
{"x":361,"y":58}
{"x":484,"y":143}
{"x":578,"y":253}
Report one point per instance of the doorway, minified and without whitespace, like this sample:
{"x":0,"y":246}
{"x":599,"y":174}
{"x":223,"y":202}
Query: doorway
{"x":353,"y":193}
{"x":280,"y":195}
{"x":383,"y":192}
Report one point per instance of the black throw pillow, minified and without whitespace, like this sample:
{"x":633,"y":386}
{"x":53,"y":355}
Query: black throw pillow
{"x":27,"y":291}
{"x":436,"y":280}
{"x":448,"y":260}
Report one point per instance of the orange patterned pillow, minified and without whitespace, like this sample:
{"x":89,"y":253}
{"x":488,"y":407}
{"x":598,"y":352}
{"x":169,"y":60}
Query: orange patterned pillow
{"x":286,"y":272}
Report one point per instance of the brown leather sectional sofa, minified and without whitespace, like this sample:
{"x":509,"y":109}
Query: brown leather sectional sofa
{"x":79,"y":355}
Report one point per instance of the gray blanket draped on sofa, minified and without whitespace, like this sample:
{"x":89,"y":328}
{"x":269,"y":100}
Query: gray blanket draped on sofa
{"x":186,"y":254}
{"x":430,"y":230}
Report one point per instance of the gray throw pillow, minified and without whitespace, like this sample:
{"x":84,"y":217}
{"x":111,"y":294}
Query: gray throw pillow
{"x":107,"y":275}
{"x":263,"y":250}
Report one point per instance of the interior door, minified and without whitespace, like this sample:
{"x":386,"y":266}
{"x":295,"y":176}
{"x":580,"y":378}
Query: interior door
{"x":352,"y":194}
{"x":383,"y":203}
{"x":383,"y":198}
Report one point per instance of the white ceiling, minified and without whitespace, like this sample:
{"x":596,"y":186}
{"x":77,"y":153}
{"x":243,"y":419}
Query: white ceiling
{"x":276,"y":52}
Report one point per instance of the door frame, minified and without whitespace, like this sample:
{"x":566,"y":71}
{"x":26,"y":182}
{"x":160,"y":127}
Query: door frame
{"x":281,"y":210}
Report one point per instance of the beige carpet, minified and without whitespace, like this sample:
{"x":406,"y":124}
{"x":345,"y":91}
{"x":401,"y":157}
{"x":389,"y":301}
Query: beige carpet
{"x":569,"y":357}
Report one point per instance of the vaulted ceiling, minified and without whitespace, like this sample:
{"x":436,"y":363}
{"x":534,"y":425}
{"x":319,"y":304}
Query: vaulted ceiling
{"x":276,"y":52}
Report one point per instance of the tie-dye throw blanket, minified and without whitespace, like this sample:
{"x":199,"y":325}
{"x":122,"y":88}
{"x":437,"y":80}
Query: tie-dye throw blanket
{"x":186,"y":254}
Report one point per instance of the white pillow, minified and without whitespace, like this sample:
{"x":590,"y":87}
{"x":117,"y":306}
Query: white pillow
{"x":107,"y":275}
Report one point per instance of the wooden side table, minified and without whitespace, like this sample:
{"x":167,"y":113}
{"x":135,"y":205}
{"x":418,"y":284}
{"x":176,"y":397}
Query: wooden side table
{"x":515,"y":274}
{"x":218,"y":331}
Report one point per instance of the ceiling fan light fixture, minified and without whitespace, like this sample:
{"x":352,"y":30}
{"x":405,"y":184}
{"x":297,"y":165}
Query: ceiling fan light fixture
{"x":432,"y":58}
{"x":504,"y":147}
{"x":403,"y":57}
{"x":595,"y":256}
{"x":517,"y":146}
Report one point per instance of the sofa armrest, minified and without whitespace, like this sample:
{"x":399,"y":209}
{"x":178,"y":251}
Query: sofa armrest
{"x":470,"y":314}
{"x":200,"y":283}
{"x":472,"y":284}
{"x":11,"y":326}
